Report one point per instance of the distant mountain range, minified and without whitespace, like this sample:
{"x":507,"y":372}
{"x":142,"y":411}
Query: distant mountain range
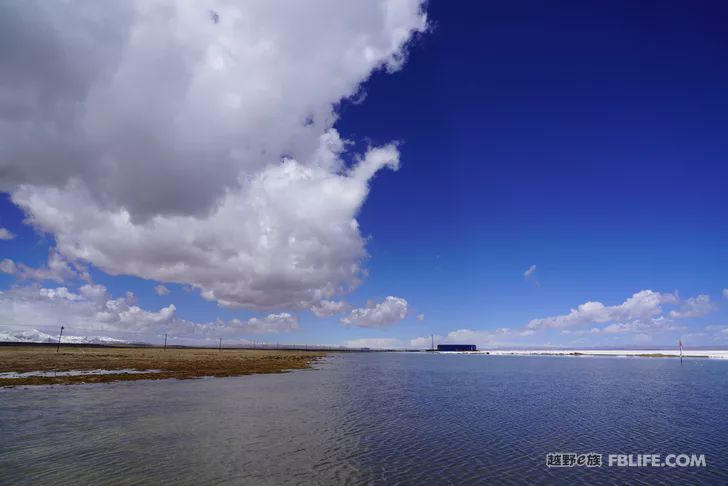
{"x":35,"y":336}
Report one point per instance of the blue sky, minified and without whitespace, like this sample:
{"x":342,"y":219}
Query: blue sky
{"x":585,"y":139}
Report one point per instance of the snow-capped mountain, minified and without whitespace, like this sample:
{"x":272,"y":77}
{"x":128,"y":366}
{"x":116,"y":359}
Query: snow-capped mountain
{"x":35,"y":336}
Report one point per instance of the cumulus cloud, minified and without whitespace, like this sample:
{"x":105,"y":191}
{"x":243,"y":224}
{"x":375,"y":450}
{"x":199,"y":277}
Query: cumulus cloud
{"x":150,"y":139}
{"x":92,"y":309}
{"x":161,"y":290}
{"x":58,"y":269}
{"x":643,"y":306}
{"x":5,"y":234}
{"x":89,"y":309}
{"x":272,"y":323}
{"x":482,"y":338}
{"x":425,"y":342}
{"x":374,"y":343}
{"x":287,"y":241}
{"x":640,"y":317}
{"x":420,"y":317}
{"x":385,"y":313}
{"x":642,"y":326}
{"x":328,"y":308}
{"x":95,"y":292}
{"x":59,"y":293}
{"x":694,"y":307}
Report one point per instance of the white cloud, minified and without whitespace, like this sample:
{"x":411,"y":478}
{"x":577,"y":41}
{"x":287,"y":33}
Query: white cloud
{"x":420,"y":317}
{"x":7,"y":266}
{"x":641,"y":314}
{"x":92,"y":309}
{"x":530,"y":275}
{"x":179,"y":149}
{"x":694,"y":307}
{"x":161,"y":290}
{"x":425,"y":342}
{"x":272,"y":323}
{"x":481,"y":338}
{"x":328,"y":308}
{"x":714,"y":328}
{"x":386,"y":313}
{"x":58,"y":269}
{"x":93,"y":292}
{"x":725,"y":293}
{"x":643,"y":326}
{"x":374,"y":343}
{"x":59,"y":293}
{"x":257,"y":250}
{"x":644,"y":306}
{"x":5,"y":234}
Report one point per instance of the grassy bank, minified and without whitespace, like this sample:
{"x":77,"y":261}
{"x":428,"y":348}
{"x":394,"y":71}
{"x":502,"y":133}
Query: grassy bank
{"x":173,"y":363}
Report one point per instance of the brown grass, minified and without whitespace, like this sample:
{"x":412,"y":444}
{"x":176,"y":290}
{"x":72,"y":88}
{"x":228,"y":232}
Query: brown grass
{"x":174,"y":363}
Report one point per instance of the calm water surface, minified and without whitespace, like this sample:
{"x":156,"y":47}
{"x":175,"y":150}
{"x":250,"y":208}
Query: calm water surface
{"x":375,"y":418}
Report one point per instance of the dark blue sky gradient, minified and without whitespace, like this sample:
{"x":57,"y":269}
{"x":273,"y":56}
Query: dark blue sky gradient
{"x":589,"y":138}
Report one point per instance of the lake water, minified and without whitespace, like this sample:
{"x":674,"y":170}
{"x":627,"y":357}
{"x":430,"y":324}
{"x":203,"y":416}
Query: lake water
{"x":383,"y":418}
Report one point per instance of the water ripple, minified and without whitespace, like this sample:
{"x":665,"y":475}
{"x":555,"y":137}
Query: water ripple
{"x":374,"y":419}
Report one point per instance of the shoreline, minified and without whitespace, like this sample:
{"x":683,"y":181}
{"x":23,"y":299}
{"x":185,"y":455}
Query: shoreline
{"x":42,"y":365}
{"x":622,"y":353}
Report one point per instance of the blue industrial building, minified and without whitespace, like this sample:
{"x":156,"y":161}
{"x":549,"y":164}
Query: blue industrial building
{"x":456,"y":347}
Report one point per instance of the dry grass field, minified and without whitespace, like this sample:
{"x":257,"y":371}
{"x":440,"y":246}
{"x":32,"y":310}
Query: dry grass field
{"x":173,"y":363}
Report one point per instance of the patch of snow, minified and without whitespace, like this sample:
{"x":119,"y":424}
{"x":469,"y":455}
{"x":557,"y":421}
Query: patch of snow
{"x":35,"y":336}
{"x":28,"y":374}
{"x":697,"y":353}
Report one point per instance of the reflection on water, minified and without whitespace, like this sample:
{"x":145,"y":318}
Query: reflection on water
{"x":374,"y":418}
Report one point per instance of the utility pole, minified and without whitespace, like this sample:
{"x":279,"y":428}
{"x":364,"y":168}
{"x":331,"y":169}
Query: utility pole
{"x":220,"y":347}
{"x":679,"y":343}
{"x":59,"y":340}
{"x":165,"y":341}
{"x":433,"y":341}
